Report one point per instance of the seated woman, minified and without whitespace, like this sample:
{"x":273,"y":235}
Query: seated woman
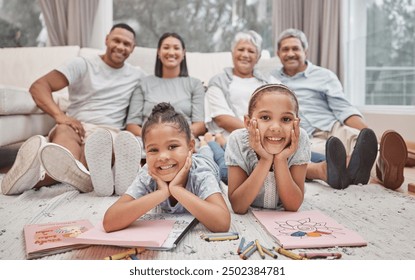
{"x":228,"y":93}
{"x":170,"y":83}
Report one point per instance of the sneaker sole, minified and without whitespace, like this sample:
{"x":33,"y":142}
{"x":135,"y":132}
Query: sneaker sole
{"x":98,"y":154}
{"x":61,"y":165}
{"x":127,"y":152}
{"x":25,"y":172}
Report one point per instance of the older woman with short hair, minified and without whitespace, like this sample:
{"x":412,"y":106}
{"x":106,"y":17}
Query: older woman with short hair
{"x":228,"y":93}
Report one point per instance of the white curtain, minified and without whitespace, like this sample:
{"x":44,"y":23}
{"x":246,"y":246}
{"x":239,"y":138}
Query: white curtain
{"x":320,"y":21}
{"x":69,"y":22}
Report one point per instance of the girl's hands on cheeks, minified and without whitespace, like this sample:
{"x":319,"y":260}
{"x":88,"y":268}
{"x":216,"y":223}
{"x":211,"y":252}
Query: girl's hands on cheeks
{"x":181,"y":177}
{"x":255,"y":140}
{"x":292,"y":148}
{"x":161,"y":185}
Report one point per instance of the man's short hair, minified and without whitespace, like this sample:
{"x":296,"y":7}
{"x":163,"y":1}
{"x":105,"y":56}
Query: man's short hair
{"x":293,"y":33}
{"x":123,"y":26}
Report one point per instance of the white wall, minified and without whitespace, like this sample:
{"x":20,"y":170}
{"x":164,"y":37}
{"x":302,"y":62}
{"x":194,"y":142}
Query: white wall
{"x":380,"y":120}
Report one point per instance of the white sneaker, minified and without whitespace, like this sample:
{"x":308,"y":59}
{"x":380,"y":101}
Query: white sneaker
{"x":98,"y":154}
{"x":26,"y":171}
{"x":127,"y":150}
{"x":60,"y":164}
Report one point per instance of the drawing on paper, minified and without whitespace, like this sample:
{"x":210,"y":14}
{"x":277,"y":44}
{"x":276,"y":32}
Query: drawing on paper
{"x":305,"y":228}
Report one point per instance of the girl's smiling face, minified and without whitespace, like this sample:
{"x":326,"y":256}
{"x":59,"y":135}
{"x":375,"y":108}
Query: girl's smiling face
{"x":275,"y":114}
{"x":166,"y":150}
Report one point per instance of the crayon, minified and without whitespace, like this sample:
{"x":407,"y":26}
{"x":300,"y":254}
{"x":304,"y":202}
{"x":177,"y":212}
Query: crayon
{"x":219,"y":234}
{"x":269,"y":253}
{"x":289,"y":254}
{"x":325,"y":255}
{"x":249,"y":253}
{"x":134,"y":257}
{"x":247,"y":246}
{"x":258,"y":246}
{"x":122,"y":255}
{"x":222,"y":238}
{"x":247,"y":249}
{"x":241,"y":245}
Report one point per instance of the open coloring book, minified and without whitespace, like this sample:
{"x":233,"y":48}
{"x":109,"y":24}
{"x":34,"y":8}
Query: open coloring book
{"x":155,"y":231}
{"x":52,"y":238}
{"x":307,"y":229}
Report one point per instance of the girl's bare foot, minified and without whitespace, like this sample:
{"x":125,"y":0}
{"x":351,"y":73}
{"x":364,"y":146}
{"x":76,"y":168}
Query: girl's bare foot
{"x":220,"y":139}
{"x":209,"y":137}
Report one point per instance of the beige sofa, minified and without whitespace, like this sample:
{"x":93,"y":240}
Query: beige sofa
{"x":20,"y":67}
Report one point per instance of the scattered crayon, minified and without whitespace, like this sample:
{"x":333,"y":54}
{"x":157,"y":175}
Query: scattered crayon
{"x":289,"y":254}
{"x":246,"y":250}
{"x":247,"y":246}
{"x":258,"y":246}
{"x":134,"y":257}
{"x":122,"y":255}
{"x":249,"y":253}
{"x":222,"y":238}
{"x":269,"y":253}
{"x":324,"y":255}
{"x":241,"y":245}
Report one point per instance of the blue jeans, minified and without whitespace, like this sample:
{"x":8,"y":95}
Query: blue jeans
{"x":317,"y":157}
{"x":219,"y":158}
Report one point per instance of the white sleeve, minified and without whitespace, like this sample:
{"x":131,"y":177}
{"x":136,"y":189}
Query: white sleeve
{"x":216,"y":104}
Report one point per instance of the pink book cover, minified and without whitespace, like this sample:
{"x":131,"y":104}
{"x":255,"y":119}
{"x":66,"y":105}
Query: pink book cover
{"x":307,"y":229}
{"x":141,"y":233}
{"x":52,"y":238}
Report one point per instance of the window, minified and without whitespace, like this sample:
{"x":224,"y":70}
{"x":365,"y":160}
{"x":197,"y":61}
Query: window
{"x":390,"y":52}
{"x":20,"y":23}
{"x":206,"y":26}
{"x":380,"y":52}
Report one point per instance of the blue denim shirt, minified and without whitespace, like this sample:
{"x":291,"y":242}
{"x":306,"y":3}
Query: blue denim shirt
{"x":320,"y":96}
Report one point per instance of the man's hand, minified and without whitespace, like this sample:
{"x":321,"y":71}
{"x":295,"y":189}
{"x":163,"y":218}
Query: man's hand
{"x":73,"y":123}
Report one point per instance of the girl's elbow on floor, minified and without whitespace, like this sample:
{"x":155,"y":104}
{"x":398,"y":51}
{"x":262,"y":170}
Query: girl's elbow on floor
{"x":108,"y":226}
{"x":239,"y":210}
{"x":223,"y":226}
{"x":293,"y":208}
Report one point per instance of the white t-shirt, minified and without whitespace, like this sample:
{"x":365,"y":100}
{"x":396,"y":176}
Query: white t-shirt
{"x":240,"y":90}
{"x":98,"y":93}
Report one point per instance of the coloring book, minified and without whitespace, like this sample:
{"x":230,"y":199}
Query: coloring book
{"x":307,"y":229}
{"x":155,"y":231}
{"x":53,"y":238}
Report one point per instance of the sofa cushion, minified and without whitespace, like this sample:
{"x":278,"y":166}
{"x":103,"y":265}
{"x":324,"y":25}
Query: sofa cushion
{"x":18,"y":128}
{"x":25,"y":65}
{"x":15,"y":100}
{"x":266,"y":65}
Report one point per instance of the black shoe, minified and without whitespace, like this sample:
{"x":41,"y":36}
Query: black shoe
{"x":337,"y":175}
{"x":363,"y":157}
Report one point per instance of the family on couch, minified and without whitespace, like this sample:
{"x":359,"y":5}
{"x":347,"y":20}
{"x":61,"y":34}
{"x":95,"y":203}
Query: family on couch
{"x":100,"y":90}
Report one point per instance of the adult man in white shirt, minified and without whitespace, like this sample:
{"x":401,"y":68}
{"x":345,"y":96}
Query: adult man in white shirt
{"x":99,"y":89}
